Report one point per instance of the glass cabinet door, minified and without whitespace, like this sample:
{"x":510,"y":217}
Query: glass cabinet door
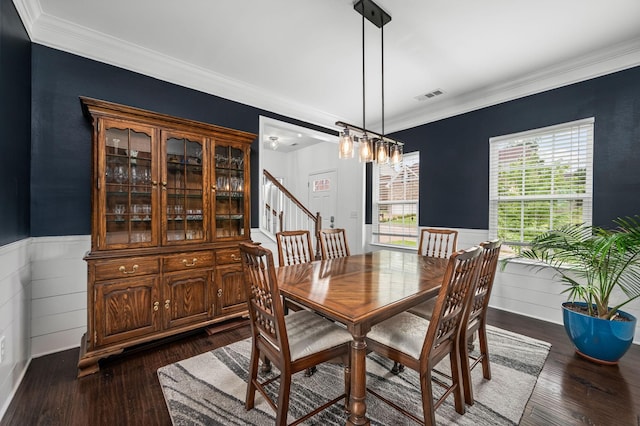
{"x":230,"y":192}
{"x":183,"y":189}
{"x":128,"y":181}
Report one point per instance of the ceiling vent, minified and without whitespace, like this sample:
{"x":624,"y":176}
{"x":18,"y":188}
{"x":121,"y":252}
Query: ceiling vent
{"x":429,"y":95}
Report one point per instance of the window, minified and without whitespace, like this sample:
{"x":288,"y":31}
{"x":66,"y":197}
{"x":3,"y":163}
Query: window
{"x":395,"y":202}
{"x":540,"y":180}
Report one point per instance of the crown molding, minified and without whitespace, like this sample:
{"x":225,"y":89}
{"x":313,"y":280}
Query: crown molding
{"x":29,"y":11}
{"x":69,"y":37}
{"x":607,"y":61}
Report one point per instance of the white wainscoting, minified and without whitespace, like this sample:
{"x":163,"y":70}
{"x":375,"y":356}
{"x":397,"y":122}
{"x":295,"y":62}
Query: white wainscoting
{"x":15,"y":317}
{"x":43,"y":300}
{"x":59,"y":296}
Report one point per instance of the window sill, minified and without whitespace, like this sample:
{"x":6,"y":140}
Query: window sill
{"x":531,"y":263}
{"x":394,"y":247}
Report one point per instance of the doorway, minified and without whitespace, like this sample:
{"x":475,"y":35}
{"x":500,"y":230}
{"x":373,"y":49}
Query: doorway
{"x":322,"y":196}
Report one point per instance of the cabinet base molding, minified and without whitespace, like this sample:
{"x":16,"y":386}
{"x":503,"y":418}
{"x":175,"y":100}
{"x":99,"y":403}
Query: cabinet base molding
{"x":89,"y":361}
{"x":227,"y":325}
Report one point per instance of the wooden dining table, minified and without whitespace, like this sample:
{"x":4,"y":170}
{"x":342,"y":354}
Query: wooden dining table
{"x":360,"y":291}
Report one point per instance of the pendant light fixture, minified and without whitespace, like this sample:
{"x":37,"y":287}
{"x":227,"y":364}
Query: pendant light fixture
{"x":373,"y":146}
{"x":345,"y":145}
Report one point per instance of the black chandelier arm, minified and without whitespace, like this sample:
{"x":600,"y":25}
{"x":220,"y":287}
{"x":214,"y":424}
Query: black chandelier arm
{"x":369,"y":133}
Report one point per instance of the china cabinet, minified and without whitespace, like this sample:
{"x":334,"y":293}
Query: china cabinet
{"x":170,"y":203}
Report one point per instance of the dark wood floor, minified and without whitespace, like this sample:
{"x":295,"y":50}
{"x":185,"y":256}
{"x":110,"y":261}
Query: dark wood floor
{"x":570,"y":390}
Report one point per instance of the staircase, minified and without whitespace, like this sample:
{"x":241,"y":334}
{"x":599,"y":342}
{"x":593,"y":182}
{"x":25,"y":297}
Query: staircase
{"x":284,"y":212}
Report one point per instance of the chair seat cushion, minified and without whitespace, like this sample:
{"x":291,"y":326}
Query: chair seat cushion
{"x":404,"y":332}
{"x":425,"y":309}
{"x":309,"y":333}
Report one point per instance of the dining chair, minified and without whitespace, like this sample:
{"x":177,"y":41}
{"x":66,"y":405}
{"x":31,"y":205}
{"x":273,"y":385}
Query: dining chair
{"x":333,"y":243}
{"x":477,"y":318}
{"x":291,"y":343}
{"x":437,"y":242}
{"x":294,"y":247}
{"x":420,"y":344}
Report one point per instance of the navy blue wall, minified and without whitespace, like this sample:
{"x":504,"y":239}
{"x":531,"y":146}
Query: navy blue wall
{"x":454,"y":152}
{"x":61,"y":157}
{"x":15,"y":138}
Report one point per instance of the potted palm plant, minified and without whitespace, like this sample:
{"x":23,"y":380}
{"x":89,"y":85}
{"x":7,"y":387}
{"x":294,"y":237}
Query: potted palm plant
{"x":601,"y":268}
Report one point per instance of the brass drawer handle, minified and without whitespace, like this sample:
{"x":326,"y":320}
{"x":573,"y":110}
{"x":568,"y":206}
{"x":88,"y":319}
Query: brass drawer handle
{"x":235,"y":258}
{"x":166,"y":303}
{"x":185,"y":262}
{"x":156,"y":305}
{"x":132,"y":271}
{"x":219,"y":292}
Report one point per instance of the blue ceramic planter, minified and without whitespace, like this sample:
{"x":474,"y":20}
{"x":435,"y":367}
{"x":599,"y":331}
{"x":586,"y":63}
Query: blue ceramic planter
{"x":597,"y":339}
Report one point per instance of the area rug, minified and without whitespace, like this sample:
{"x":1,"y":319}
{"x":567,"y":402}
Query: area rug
{"x":209,"y":389}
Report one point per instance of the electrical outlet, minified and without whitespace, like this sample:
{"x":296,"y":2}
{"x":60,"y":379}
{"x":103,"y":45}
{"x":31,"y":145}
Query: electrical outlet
{"x":1,"y":349}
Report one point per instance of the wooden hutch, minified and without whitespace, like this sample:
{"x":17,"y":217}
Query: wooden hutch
{"x":170,"y":203}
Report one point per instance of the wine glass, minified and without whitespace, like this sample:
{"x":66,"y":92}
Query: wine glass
{"x":146,"y":209}
{"x":135,"y":178}
{"x":178,"y":211}
{"x":146,"y":176}
{"x":120,"y":175}
{"x":119,"y":210}
{"x":108,"y":174}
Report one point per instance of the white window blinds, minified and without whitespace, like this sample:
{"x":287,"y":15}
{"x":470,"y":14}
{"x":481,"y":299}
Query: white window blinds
{"x":540,"y":180}
{"x":395,"y":202}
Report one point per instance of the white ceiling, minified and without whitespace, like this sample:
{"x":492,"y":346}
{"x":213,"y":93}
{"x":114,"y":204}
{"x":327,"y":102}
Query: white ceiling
{"x":302,"y":58}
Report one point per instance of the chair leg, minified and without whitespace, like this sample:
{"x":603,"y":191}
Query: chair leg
{"x":470,"y":342}
{"x":465,"y":369}
{"x":397,"y":368}
{"x":283,"y":400}
{"x":266,"y":365}
{"x":249,"y":401}
{"x":484,"y":351}
{"x":456,"y":376}
{"x":428,"y":409}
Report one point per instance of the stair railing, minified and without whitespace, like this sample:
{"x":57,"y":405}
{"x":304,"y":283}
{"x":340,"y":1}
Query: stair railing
{"x":284,"y":212}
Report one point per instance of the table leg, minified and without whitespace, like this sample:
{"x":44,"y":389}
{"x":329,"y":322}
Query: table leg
{"x":357,"y":403}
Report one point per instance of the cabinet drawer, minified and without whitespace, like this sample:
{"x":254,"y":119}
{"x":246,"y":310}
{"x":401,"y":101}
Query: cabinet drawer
{"x":228,"y":256}
{"x":130,"y":267}
{"x":184,"y":261}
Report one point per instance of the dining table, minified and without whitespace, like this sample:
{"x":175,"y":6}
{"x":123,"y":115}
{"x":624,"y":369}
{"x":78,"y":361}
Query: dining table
{"x":360,"y":291}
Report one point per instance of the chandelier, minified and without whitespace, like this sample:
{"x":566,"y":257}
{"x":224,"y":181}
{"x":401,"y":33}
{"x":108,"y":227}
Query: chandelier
{"x":372,"y":146}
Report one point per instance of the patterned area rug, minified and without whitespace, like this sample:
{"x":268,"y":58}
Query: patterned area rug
{"x":209,"y":389}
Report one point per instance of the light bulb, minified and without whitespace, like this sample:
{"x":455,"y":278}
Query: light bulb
{"x":366,"y":151}
{"x":382,"y":152}
{"x":396,"y":154}
{"x":345,"y":145}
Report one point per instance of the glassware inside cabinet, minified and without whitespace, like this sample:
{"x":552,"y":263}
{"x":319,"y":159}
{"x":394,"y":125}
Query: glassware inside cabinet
{"x":128,"y":186}
{"x":230,"y":197}
{"x":185,"y":197}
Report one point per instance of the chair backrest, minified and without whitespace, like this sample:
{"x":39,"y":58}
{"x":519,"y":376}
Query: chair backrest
{"x":294,"y":247}
{"x":438,"y":242}
{"x":333,"y":243}
{"x":263,"y":299}
{"x":486,"y":275}
{"x":458,"y":286}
